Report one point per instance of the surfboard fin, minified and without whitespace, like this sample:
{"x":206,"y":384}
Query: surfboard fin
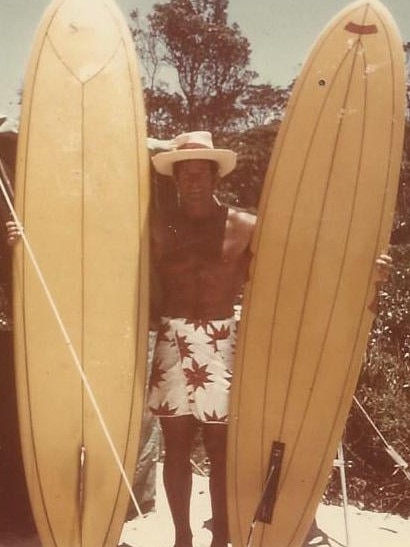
{"x":81,"y":480}
{"x":266,"y":505}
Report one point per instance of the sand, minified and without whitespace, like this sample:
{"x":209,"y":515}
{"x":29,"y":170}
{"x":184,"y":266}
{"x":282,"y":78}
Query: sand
{"x":366,"y":529}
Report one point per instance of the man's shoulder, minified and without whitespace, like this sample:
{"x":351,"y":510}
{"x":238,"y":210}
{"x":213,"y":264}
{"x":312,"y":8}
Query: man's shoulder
{"x":241,"y":218}
{"x":241,"y":224}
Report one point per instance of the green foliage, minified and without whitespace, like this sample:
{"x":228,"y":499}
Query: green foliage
{"x":374,"y":481}
{"x":165,"y":112}
{"x":262,"y":104}
{"x":243,"y":186}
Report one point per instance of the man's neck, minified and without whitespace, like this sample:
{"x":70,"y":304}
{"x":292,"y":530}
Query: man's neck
{"x":206,"y":212}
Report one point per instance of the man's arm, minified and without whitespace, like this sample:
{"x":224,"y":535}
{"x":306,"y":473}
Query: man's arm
{"x":156,"y":293}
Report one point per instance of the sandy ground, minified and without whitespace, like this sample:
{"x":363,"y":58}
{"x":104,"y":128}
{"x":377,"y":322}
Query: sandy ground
{"x":365,"y":529}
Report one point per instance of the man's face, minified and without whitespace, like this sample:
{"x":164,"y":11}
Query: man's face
{"x":196,"y":181}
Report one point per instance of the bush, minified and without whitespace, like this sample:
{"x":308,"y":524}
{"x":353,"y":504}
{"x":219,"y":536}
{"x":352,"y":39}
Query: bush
{"x":374,"y":481}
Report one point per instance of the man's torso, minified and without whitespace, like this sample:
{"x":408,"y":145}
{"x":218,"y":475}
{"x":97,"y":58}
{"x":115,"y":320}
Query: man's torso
{"x":202,"y":265}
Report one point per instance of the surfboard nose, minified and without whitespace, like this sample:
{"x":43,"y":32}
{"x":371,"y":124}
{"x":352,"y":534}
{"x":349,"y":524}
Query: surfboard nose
{"x":83,"y":36}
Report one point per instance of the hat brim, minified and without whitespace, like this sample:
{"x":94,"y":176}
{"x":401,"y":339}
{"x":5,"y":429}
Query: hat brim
{"x":164,"y":161}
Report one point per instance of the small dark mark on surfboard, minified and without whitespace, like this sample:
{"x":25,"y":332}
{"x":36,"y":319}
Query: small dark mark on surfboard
{"x":267,"y":501}
{"x":322,"y":82}
{"x":361,"y":29}
{"x":387,"y":529}
{"x":265,"y":509}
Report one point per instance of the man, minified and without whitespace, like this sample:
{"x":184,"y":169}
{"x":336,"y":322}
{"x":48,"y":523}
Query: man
{"x":201,"y":254}
{"x":201,"y":257}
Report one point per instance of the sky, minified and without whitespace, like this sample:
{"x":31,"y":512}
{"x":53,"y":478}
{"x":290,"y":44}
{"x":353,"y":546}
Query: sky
{"x":280,"y":32}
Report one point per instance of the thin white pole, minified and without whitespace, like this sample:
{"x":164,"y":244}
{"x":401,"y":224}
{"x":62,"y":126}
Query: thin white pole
{"x":342,"y":467}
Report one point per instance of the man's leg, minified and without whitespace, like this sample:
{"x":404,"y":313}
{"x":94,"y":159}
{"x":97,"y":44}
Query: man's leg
{"x":179,"y":433}
{"x":215,"y":437}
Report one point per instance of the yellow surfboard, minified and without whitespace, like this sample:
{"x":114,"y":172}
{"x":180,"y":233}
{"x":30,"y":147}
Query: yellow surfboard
{"x":325,"y":215}
{"x":82,"y":195}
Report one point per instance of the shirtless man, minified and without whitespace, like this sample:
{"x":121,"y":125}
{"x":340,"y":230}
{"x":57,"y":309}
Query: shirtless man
{"x":201,"y":257}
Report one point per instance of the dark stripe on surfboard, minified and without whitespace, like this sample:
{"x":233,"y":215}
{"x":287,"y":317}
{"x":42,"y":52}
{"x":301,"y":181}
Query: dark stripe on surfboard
{"x":361,"y":29}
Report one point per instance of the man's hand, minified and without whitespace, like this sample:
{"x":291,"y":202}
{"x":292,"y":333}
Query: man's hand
{"x":384,"y":268}
{"x":13,"y":232}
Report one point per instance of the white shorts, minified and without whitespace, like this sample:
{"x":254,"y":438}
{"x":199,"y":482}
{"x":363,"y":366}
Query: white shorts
{"x":192,"y":369}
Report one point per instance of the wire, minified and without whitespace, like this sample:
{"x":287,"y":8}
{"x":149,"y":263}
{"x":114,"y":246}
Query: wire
{"x":396,"y":457}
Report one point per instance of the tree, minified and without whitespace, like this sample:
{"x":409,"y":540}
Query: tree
{"x":165,"y":113}
{"x":210,"y":57}
{"x":192,"y":39}
{"x":147,"y":47}
{"x":243,"y":186}
{"x":262,"y":104}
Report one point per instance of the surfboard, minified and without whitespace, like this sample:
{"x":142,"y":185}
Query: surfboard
{"x":82,"y":196}
{"x":325,"y":214}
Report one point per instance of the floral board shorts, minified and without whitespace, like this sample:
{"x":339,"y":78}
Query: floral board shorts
{"x":192,"y":369}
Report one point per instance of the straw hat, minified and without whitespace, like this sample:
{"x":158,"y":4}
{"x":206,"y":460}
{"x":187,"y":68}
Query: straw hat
{"x":195,"y":145}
